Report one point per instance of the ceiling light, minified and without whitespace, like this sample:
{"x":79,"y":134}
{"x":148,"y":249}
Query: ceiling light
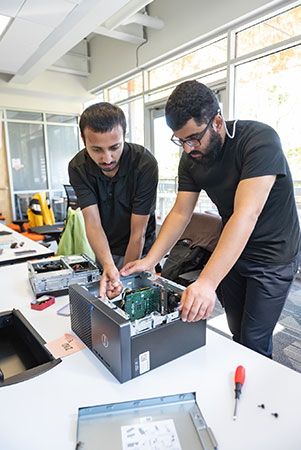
{"x":4,"y":21}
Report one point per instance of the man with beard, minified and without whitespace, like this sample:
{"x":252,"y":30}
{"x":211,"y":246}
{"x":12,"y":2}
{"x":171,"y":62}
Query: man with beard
{"x":115,"y":183}
{"x":241,"y":166}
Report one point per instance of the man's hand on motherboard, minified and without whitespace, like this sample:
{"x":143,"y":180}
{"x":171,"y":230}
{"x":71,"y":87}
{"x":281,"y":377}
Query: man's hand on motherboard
{"x":110,"y":283}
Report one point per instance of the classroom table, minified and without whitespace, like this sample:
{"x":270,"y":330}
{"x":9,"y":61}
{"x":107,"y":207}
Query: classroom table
{"x":29,"y":250}
{"x":41,"y":413}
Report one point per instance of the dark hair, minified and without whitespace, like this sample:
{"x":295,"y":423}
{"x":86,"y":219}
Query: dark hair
{"x":102,"y":117}
{"x":190,"y":100}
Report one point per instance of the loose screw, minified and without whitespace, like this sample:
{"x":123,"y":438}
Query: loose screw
{"x":275,"y":414}
{"x":261,"y":406}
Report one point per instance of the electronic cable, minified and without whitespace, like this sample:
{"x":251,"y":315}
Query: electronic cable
{"x":225,"y":125}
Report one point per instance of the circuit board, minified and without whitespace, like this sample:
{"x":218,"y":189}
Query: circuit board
{"x":142,"y":302}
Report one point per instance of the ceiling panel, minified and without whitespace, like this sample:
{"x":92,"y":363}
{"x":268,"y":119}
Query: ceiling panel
{"x":21,"y":54}
{"x":42,"y":31}
{"x":45,"y":12}
{"x":76,"y":26}
{"x":10,"y":7}
{"x":22,"y":33}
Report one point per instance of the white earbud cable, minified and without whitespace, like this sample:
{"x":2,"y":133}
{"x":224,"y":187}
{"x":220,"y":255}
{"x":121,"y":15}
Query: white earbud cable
{"x":227,"y":131}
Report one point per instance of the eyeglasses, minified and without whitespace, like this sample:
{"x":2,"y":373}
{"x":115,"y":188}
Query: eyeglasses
{"x":193,"y":141}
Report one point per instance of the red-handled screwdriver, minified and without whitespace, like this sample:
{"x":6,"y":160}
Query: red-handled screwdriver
{"x":239,"y":380}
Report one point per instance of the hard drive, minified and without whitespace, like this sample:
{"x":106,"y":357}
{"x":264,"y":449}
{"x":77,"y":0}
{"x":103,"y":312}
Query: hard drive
{"x":53,"y":276}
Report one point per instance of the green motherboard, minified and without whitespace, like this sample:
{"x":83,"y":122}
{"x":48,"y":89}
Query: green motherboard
{"x":143,"y":301}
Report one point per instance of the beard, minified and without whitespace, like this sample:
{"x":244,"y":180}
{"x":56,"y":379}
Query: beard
{"x":109,"y":167}
{"x":213,"y":151}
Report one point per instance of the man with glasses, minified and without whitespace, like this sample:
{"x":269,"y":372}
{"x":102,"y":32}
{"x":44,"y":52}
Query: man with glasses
{"x":241,"y":166}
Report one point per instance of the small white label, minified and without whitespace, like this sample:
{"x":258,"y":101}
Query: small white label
{"x":144,"y":362}
{"x":159,"y":435}
{"x":76,"y":259}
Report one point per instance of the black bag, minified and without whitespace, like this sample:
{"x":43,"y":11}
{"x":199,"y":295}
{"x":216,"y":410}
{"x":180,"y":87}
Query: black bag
{"x":182,"y":259}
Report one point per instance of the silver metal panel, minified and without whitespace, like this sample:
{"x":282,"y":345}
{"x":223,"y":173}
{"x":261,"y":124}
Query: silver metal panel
{"x":100,"y":426}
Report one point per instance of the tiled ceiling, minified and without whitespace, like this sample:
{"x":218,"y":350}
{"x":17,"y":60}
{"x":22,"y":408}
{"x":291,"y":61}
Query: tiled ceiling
{"x":42,"y":31}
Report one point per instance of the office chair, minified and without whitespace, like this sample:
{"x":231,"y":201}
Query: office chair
{"x":190,"y":254}
{"x":72,"y":201}
{"x":39,"y":211}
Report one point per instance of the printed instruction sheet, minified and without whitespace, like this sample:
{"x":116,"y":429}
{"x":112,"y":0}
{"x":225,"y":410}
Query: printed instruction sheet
{"x":158,"y":435}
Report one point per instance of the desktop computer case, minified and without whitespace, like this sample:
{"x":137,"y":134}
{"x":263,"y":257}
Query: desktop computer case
{"x":125,"y":350}
{"x":53,"y":276}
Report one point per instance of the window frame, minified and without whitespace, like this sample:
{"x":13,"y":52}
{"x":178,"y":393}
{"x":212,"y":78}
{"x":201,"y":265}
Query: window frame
{"x":252,"y":19}
{"x":50,"y":191}
{"x":228,"y":83}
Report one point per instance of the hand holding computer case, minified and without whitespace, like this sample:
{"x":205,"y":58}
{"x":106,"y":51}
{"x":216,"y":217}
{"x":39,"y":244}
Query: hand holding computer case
{"x":140,"y":330}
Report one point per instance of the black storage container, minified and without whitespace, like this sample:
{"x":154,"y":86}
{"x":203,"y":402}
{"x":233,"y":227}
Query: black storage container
{"x":23,"y":354}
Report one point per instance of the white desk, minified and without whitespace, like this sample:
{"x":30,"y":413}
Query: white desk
{"x":8,"y":256}
{"x":41,"y":413}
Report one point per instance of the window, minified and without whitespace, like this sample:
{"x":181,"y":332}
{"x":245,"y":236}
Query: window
{"x":61,"y":119}
{"x":267,"y":87}
{"x":39,"y":148}
{"x":135,"y":121}
{"x":189,"y":64}
{"x":159,"y":94}
{"x":268,"y":90}
{"x":213,"y":78}
{"x":271,"y":31}
{"x":259,"y":80}
{"x":126,"y":90}
{"x":27,"y":156}
{"x":24,"y":115}
{"x":63,"y":143}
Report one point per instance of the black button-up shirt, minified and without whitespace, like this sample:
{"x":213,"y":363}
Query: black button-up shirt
{"x":131,"y":190}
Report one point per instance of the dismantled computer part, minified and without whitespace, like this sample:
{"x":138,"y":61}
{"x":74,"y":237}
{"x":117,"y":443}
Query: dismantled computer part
{"x":138,"y":331}
{"x":23,"y":353}
{"x":166,"y":422}
{"x":53,"y":276}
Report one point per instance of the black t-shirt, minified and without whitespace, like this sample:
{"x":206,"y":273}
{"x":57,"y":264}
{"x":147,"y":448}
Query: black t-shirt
{"x":131,"y":190}
{"x":255,"y":151}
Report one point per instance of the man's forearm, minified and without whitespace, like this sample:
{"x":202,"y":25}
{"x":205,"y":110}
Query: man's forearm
{"x":134,"y":249}
{"x":99,"y":245}
{"x":250,"y":198}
